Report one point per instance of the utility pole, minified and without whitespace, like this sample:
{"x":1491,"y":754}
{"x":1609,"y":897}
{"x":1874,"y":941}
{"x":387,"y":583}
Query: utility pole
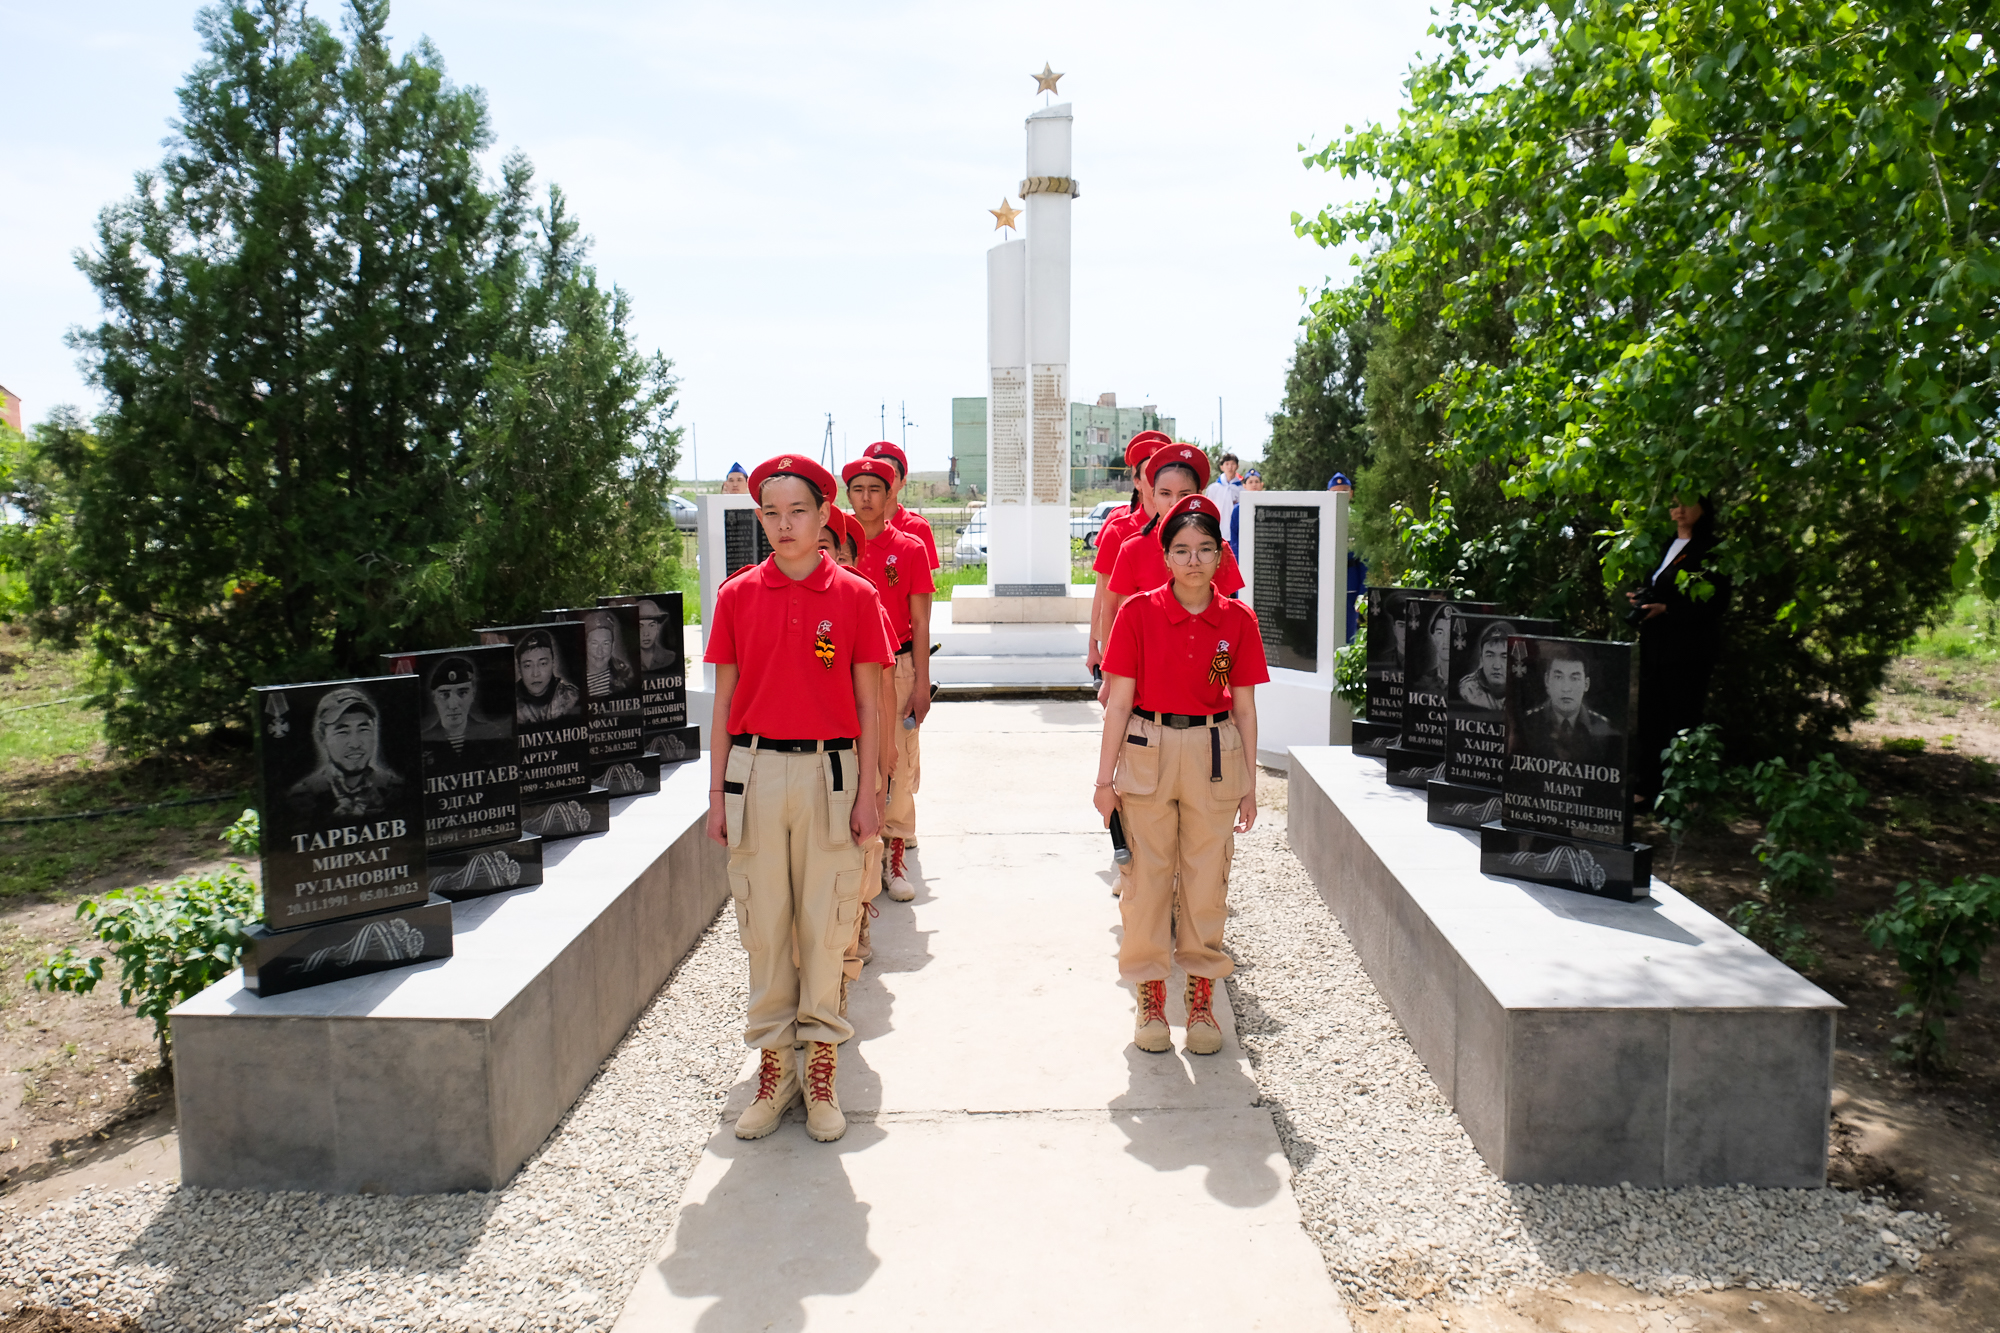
{"x":1218,"y":421}
{"x":694,"y":435}
{"x":903,"y":410}
{"x":826,"y":447}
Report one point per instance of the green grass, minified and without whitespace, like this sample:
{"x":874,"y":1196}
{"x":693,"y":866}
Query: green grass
{"x":54,"y":760}
{"x":1971,"y":632}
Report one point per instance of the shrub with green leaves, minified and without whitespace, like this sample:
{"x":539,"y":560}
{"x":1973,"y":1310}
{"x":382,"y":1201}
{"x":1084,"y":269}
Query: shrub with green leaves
{"x":1694,"y":788}
{"x":1350,"y":666}
{"x":170,"y":942}
{"x":1940,"y":937}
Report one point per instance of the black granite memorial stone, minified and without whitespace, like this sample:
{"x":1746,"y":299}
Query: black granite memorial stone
{"x":1384,"y":631}
{"x":663,"y":676}
{"x":278,"y":961}
{"x":1418,"y":753}
{"x":614,"y":710}
{"x":1468,"y":794}
{"x":1285,"y":596}
{"x":342,"y":801}
{"x":471,"y":768}
{"x":551,"y":730}
{"x":474,"y":872}
{"x":743,"y":541}
{"x":1566,"y":794}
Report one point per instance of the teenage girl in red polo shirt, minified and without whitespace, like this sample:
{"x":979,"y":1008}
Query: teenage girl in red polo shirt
{"x":1121,"y":524}
{"x":798,"y":651}
{"x":1179,"y":763}
{"x":1174,"y":472}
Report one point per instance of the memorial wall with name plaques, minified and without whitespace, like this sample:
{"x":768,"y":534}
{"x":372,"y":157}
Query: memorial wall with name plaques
{"x":1285,"y":595}
{"x":743,"y":540}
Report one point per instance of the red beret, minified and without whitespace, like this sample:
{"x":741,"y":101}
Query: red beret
{"x":1185,"y":455}
{"x":1193,"y":504}
{"x":870,"y":467}
{"x":1140,"y":447}
{"x":845,"y":527}
{"x":884,"y":449}
{"x":793,"y":465}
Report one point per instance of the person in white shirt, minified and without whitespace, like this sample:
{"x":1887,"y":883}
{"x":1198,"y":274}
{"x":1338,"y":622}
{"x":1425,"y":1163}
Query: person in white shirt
{"x":1225,"y":488}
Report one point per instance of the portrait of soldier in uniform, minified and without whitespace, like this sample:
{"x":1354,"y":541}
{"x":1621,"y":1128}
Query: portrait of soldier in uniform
{"x":541,"y":694}
{"x":350,"y":779}
{"x":1564,"y":726}
{"x":1485,"y":686}
{"x":1436,"y":618}
{"x":654,"y":654}
{"x":606,"y":670}
{"x":454,"y":717}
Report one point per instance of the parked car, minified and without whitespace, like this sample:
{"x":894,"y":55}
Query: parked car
{"x":971,"y":547}
{"x":686,"y":515}
{"x":1087,"y":526}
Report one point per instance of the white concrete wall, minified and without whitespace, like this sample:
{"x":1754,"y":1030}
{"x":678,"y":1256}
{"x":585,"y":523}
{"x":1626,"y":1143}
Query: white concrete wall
{"x":1299,"y":707}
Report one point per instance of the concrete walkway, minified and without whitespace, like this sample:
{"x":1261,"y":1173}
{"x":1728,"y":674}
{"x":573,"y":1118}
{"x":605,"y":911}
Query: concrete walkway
{"x":1012,"y":1160}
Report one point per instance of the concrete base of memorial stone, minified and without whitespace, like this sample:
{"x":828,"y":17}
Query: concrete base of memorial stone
{"x":275,"y":962}
{"x":1294,"y":708}
{"x":978,"y":604}
{"x":1460,"y":805}
{"x":474,"y":872}
{"x":1372,"y":738}
{"x":1608,"y":870}
{"x":1581,"y":1041}
{"x":1412,"y":768}
{"x":446,"y":1076}
{"x":568,"y":816}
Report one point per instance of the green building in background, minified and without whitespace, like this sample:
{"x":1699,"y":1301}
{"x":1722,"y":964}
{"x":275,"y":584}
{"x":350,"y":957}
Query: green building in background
{"x":1098,"y":434}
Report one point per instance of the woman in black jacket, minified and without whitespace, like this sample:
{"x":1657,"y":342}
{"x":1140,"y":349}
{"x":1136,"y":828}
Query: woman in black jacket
{"x":1680,"y":637}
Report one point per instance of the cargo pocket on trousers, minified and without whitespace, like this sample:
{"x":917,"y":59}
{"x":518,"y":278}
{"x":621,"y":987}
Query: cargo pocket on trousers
{"x":1138,"y":772}
{"x":735,"y":802}
{"x":840,"y":927}
{"x":1227,"y":760}
{"x":839,"y":774}
{"x":739,"y":894}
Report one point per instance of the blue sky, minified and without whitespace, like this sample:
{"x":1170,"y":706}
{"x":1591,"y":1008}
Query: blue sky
{"x":795,"y":195}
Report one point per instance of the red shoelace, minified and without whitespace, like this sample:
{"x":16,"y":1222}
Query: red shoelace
{"x":1201,"y":1002}
{"x":896,"y":859}
{"x":768,"y":1074}
{"x":819,"y":1072}
{"x":1152,"y":1001}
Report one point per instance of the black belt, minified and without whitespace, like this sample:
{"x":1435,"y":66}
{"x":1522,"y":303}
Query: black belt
{"x":793,"y":747}
{"x":1182,"y":721}
{"x":907,"y":646}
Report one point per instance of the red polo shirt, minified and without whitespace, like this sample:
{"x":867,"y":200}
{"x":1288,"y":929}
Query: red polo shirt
{"x":896,"y":564}
{"x":919,"y":527}
{"x":1141,"y":566}
{"x":1172,"y":653}
{"x":1122,"y":524}
{"x":770,"y":628}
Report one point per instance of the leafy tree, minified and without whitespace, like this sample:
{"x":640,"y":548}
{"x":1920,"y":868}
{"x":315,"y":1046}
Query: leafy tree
{"x":359,"y":401}
{"x":1627,"y":252}
{"x":1321,"y":427}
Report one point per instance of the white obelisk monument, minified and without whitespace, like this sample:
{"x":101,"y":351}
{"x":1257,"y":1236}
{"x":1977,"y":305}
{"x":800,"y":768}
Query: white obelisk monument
{"x":1027,"y":408}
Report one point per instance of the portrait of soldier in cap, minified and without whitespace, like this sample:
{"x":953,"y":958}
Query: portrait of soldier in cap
{"x":654,"y":654}
{"x":541,"y":692}
{"x":350,"y":780}
{"x":1564,"y":726}
{"x":1435,"y":618}
{"x":606,"y":671}
{"x":453,"y":717}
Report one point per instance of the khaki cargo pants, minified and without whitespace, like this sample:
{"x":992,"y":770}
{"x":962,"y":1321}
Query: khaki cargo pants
{"x":795,"y":875}
{"x":871,"y":885}
{"x":1177,"y":794}
{"x":900,"y":820}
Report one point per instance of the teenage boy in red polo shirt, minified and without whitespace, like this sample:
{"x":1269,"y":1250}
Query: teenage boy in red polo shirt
{"x":1122,"y":524}
{"x":905,"y":520}
{"x":798,"y":649}
{"x":896,"y":564}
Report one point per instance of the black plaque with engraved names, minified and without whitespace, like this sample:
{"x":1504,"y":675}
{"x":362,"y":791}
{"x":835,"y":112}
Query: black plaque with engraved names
{"x":1285,"y":596}
{"x":342,"y":805}
{"x":743,"y":540}
{"x":1383,"y":636}
{"x":1417,"y":755}
{"x":549,"y":722}
{"x":1468,"y":793}
{"x":613,"y":708}
{"x":662,"y":676}
{"x":471,"y":768}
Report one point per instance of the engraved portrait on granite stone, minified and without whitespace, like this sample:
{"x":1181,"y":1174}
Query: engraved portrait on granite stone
{"x":657,"y":650}
{"x":471,"y":765}
{"x":607,"y":664}
{"x":351,"y":779}
{"x":543,"y":690}
{"x":1566,"y":718}
{"x":1564,"y":724}
{"x":455,"y":714}
{"x":1484,"y":687}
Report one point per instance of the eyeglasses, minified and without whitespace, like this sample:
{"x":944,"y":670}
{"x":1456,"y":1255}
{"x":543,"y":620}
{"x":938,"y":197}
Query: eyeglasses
{"x":1205,"y":555}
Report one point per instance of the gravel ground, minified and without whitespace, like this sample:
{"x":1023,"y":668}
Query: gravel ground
{"x":559,"y":1248}
{"x":1403,"y":1208}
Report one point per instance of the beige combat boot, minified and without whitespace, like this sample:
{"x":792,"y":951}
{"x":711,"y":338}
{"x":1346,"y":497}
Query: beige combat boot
{"x":777,"y":1089}
{"x":823,"y":1118}
{"x":900,"y":888}
{"x":1152,"y":1033}
{"x":1204,"y":1034}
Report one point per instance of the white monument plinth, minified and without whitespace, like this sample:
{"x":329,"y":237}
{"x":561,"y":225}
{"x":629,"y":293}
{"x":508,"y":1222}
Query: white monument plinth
{"x":1298,"y":706}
